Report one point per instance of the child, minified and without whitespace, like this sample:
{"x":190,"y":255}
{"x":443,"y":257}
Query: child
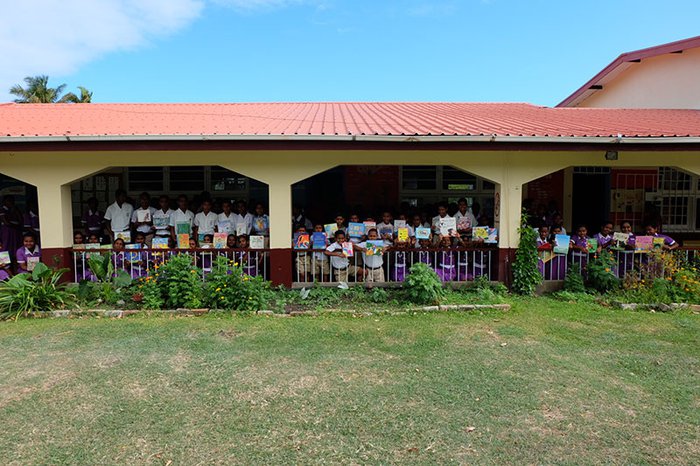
{"x":465,"y":219}
{"x":93,"y":238}
{"x":445,"y":267}
{"x":320,"y":265}
{"x":205,"y":221}
{"x":161,"y":217}
{"x":145,"y":212}
{"x":544,"y":249}
{"x":181,"y":216}
{"x":411,"y":231}
{"x":374,"y":264}
{"x":27,"y":255}
{"x":604,"y":237}
{"x":205,"y":258}
{"x":250,"y":260}
{"x":225,"y":222}
{"x":118,"y":248}
{"x":442,"y":213}
{"x":424,"y":255}
{"x":303,"y":259}
{"x":340,"y":263}
{"x":261,"y":223}
{"x":386,"y":227}
{"x":139,"y":265}
{"x":243,"y":218}
{"x":626,"y":257}
{"x":579,"y":249}
{"x":398,"y":267}
{"x":354,"y":218}
{"x":653,"y":230}
{"x":93,"y":219}
{"x":231,"y":241}
{"x":5,"y":271}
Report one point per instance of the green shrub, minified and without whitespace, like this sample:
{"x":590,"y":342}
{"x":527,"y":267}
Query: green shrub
{"x":179,"y":281}
{"x":601,"y":274}
{"x":573,"y":282}
{"x":38,"y":291}
{"x":526,"y":275}
{"x":228,"y":288}
{"x":483,"y":283}
{"x":423,"y":286}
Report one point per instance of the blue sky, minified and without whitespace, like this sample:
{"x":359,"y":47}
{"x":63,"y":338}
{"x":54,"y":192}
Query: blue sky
{"x":331,"y":50}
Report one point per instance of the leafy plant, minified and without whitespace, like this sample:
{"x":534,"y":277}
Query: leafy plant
{"x":228,"y":288}
{"x":179,"y":281}
{"x":38,"y":291}
{"x":423,"y":286}
{"x":526,"y":275}
{"x":573,"y":282}
{"x":601,"y":272}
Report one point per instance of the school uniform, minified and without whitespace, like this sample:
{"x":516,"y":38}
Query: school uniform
{"x":161,"y":222}
{"x":445,"y":267}
{"x":146,"y":229}
{"x":668,"y":241}
{"x":246,"y":220}
{"x":399,"y":268}
{"x":625,"y":259}
{"x":205,"y":223}
{"x":374,"y":265}
{"x":385,"y":229}
{"x":226,"y":224}
{"x":579,"y":259}
{"x":342,"y":270}
{"x":603,"y":241}
{"x":182,"y":217}
{"x":92,"y":221}
{"x":119,"y":217}
{"x":4,"y":272}
{"x":471,"y":220}
{"x":435,"y":225}
{"x":25,"y":256}
{"x":425,"y":257}
{"x":10,"y":228}
{"x":540,"y":253}
{"x":31,"y":222}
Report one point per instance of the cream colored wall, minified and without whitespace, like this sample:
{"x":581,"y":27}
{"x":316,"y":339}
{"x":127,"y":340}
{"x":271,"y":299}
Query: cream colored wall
{"x":52,"y":173}
{"x":667,"y":81}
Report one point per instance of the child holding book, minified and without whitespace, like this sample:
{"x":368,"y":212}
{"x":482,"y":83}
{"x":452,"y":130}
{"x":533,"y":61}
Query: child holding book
{"x":28,"y":255}
{"x":225,"y":222}
{"x":446,"y":261}
{"x":340,"y":264}
{"x":373,"y":263}
{"x":544,"y":249}
{"x":118,"y":247}
{"x":398,"y":268}
{"x":161,"y":217}
{"x":626,"y":254}
{"x":579,"y":248}
{"x":261,"y":224}
{"x":204,"y":222}
{"x":604,"y":237}
{"x":181,"y":220}
{"x":5,"y":263}
{"x":137,"y":260}
{"x":303,"y":257}
{"x":206,"y":258}
{"x":386,"y":227}
{"x":668,"y":243}
{"x":321,"y":266}
{"x":558,"y":264}
{"x":142,"y":218}
{"x":423,"y":254}
{"x":249,"y":260}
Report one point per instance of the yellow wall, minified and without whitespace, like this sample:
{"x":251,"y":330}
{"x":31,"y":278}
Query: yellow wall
{"x":667,"y":81}
{"x":53,"y":172}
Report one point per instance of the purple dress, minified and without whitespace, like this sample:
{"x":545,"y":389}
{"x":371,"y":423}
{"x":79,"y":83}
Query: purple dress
{"x":399,"y":268}
{"x":625,"y":257}
{"x":540,"y":262}
{"x":579,"y":259}
{"x":24,"y":256}
{"x":92,"y":221}
{"x":603,"y":241}
{"x":4,"y":274}
{"x":249,"y":263}
{"x":446,"y":268}
{"x":426,"y":257}
{"x":10,"y":228}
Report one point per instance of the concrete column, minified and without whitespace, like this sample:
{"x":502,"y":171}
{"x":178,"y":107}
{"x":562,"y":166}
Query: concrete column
{"x":281,"y":232}
{"x":55,"y":223}
{"x":568,"y":206}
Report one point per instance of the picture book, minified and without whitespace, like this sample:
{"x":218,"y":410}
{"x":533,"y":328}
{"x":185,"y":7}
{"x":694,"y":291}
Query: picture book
{"x":143,"y":215}
{"x":658,"y":242}
{"x":241,"y":229}
{"x":159,"y":242}
{"x":124,"y":235}
{"x":422,"y":233}
{"x":5,"y":258}
{"x":374,"y":247}
{"x":106,"y":246}
{"x":561,"y":244}
{"x":92,"y":246}
{"x":319,"y":240}
{"x":493,"y":236}
{"x":592,"y":245}
{"x":330,"y":229}
{"x":643,"y":244}
{"x":182,"y":228}
{"x":183,"y":240}
{"x":369,"y":225}
{"x":348,"y":250}
{"x":399,"y":224}
{"x":402,"y":234}
{"x":480,"y":233}
{"x":133,"y":256}
{"x":546,"y":256}
{"x":31,"y":262}
{"x":620,"y":240}
{"x":356,"y":230}
{"x":220,"y":240}
{"x":448,"y":226}
{"x":301,"y":241}
{"x":257,"y":242}
{"x":161,"y":222}
{"x":386,"y":231}
{"x":79,"y":247}
{"x":224,"y":226}
{"x":463,"y":223}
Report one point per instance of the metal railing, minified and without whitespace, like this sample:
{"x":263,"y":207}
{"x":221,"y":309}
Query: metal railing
{"x":451,"y":265}
{"x":139,"y":263}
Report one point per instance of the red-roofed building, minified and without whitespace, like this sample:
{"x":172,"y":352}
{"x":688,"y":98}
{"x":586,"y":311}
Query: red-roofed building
{"x":594,"y":163}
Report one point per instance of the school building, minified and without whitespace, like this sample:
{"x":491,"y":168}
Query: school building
{"x":624,"y":146}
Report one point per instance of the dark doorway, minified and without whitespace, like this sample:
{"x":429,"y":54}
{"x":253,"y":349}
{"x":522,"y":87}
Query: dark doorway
{"x":590,"y":201}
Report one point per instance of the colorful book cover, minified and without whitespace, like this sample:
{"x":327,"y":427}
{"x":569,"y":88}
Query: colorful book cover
{"x":241,"y":229}
{"x":5,"y":258}
{"x":133,"y":256}
{"x":182,"y":228}
{"x":78,"y":247}
{"x":463,"y":223}
{"x":224,"y":226}
{"x":330,"y":229}
{"x":369,"y":225}
{"x":658,"y":242}
{"x":399,"y":224}
{"x":105,"y":246}
{"x":480,"y":233}
{"x":143,"y":215}
{"x":183,"y":241}
{"x":301,"y":241}
{"x":257,"y":242}
{"x":561,"y":244}
{"x":448,"y":226}
{"x":159,"y":243}
{"x":493,"y":236}
{"x":124,"y":235}
{"x":546,"y":256}
{"x":620,"y":239}
{"x":261,"y":224}
{"x":402,"y":234}
{"x":161,"y":222}
{"x":356,"y":230}
{"x":348,"y":250}
{"x":319,"y":240}
{"x":220,"y":240}
{"x":374,"y":247}
{"x":31,"y":262}
{"x":592,"y":245}
{"x":423,"y":233}
{"x":643,"y":243}
{"x":386,"y":230}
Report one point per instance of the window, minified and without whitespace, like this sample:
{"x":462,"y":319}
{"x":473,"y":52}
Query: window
{"x":420,"y":177}
{"x":226,"y":180}
{"x":186,"y":178}
{"x":671,"y":179}
{"x":674,"y":210}
{"x":145,"y":179}
{"x":457,"y":180}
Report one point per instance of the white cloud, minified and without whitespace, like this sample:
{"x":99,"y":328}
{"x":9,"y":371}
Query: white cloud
{"x":57,"y":36}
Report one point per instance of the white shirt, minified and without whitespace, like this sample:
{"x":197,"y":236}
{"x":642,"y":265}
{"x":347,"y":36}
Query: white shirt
{"x":373,"y":261}
{"x":436,"y":222}
{"x":135,"y":219}
{"x":246,"y":219}
{"x":119,"y":217}
{"x":383,"y":228}
{"x":181,"y":217}
{"x":205,"y":223}
{"x":226,"y":224}
{"x":469,"y":216}
{"x":338,"y":262}
{"x":159,"y":214}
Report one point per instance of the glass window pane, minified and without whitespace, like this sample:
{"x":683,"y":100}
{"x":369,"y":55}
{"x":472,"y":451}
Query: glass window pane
{"x":457,"y":180}
{"x":419,"y":177}
{"x":145,"y":179}
{"x":186,"y":178}
{"x":226,"y":180}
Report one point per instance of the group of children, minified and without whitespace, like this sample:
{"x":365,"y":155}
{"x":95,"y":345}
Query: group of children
{"x":19,"y":238}
{"x":555,"y":258}
{"x":342,"y":256}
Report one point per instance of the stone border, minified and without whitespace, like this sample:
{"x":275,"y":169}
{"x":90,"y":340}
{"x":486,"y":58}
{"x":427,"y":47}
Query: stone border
{"x":653,"y":307}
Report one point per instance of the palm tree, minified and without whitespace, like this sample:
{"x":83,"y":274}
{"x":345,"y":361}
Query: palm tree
{"x":38,"y":91}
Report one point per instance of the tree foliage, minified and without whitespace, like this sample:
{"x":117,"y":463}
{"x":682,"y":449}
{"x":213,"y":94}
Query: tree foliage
{"x":526,"y":275}
{"x":38,"y":91}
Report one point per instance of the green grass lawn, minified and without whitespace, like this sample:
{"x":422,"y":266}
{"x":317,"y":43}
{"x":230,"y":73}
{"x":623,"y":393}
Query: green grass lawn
{"x":547,"y":382}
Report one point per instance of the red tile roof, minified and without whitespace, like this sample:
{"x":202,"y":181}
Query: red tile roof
{"x":322,"y":120}
{"x":623,"y":62}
